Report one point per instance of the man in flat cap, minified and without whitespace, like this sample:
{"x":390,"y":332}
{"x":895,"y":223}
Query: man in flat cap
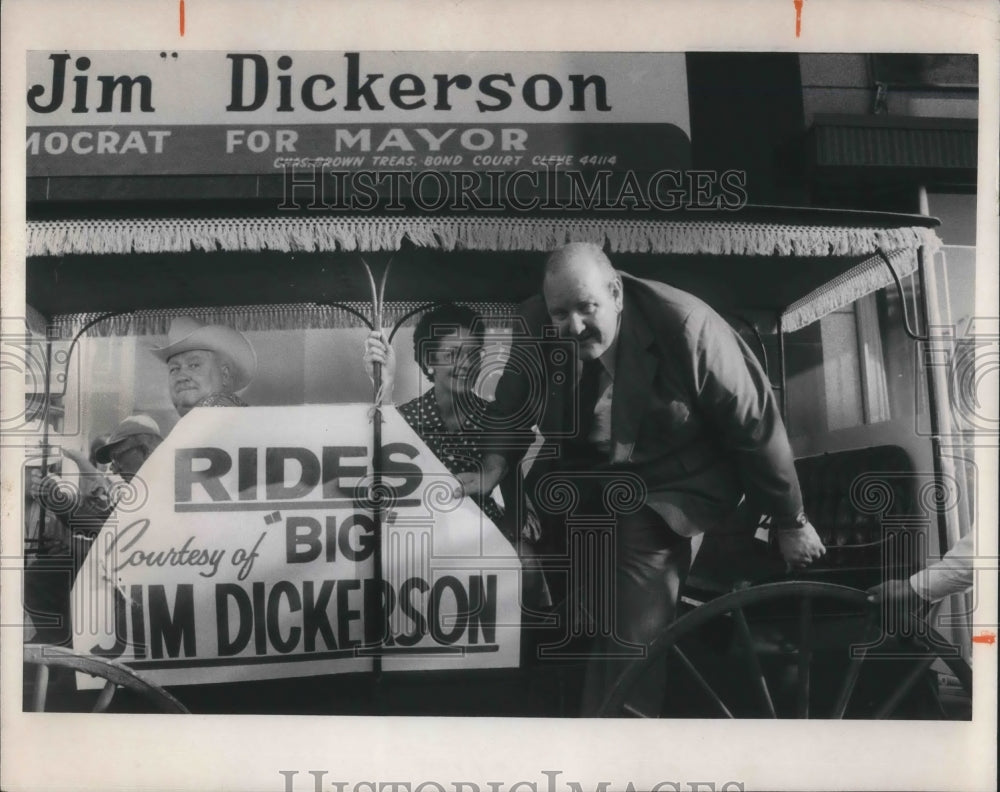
{"x":206,"y":364}
{"x":131,"y":444}
{"x":49,"y":580}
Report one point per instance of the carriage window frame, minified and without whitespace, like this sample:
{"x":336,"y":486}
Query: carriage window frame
{"x":878,"y":363}
{"x":296,"y":366}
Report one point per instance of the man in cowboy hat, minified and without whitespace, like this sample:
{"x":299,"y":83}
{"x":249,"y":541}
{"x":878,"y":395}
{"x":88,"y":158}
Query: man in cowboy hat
{"x":206,"y":364}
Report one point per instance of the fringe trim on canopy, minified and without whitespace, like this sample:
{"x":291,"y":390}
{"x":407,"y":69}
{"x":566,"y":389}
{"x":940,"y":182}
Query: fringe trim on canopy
{"x":867,"y":277}
{"x":66,"y":237}
{"x":250,"y":318}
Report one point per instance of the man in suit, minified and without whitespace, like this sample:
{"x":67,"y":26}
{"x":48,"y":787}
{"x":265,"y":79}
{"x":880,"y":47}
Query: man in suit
{"x":664,"y":397}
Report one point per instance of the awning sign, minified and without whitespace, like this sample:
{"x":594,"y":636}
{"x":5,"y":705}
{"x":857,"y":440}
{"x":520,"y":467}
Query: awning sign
{"x":149,"y":113}
{"x":244,"y":549}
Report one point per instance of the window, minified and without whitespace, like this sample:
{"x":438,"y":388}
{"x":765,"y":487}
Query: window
{"x":118,"y":375}
{"x":836,"y":371}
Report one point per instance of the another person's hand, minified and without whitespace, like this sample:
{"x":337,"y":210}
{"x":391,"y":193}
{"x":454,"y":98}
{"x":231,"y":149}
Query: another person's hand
{"x":79,"y":458}
{"x":800,"y":546}
{"x":531,"y":531}
{"x":41,"y":487}
{"x":34,"y":483}
{"x":470,"y":485}
{"x":76,"y":456}
{"x":892,"y":591}
{"x":83,"y":464}
{"x":378,"y":350}
{"x":478,"y":483}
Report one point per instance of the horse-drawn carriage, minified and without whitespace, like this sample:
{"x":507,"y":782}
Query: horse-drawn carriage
{"x":302,"y":556}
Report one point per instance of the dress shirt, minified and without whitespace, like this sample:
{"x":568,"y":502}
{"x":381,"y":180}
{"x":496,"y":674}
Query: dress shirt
{"x":951,"y":575}
{"x":600,"y":428}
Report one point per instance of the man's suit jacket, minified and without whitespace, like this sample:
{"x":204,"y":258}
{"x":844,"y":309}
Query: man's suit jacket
{"x":693,"y":413}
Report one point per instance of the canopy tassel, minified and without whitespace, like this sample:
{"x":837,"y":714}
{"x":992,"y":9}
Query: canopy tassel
{"x":69,"y":237}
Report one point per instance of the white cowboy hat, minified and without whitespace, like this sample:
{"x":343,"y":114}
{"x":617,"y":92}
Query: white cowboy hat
{"x":186,"y":334}
{"x":133,"y":425}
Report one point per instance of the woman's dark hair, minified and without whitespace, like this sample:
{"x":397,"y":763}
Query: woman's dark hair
{"x":443,"y":320}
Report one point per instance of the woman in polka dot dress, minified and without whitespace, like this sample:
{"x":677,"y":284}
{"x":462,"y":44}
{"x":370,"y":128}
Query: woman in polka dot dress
{"x":448,"y":345}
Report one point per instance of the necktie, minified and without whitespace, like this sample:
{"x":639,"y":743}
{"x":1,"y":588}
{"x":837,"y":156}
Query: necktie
{"x":588,"y":392}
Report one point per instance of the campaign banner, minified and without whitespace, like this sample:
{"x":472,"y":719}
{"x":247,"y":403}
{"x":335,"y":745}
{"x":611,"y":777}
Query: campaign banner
{"x":173,"y":113}
{"x":245,"y":549}
{"x":377,"y":148}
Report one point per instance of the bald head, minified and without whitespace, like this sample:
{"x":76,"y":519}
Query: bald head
{"x":579,"y":256}
{"x":583,"y":296}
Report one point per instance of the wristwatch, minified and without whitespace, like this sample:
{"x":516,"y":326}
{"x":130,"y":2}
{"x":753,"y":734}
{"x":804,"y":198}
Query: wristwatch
{"x":798,"y":522}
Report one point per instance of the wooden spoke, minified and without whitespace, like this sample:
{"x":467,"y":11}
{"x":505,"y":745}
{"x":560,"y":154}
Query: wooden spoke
{"x":702,"y":683}
{"x":756,"y":671}
{"x":854,"y":667}
{"x":104,"y":700}
{"x":904,"y":687}
{"x":41,"y":688}
{"x":938,"y":706}
{"x":805,"y":658}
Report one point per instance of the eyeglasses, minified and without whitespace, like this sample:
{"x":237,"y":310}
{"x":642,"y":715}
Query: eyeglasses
{"x":450,"y":356}
{"x":118,"y":455}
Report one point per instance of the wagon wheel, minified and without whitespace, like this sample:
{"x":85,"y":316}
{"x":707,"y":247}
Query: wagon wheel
{"x":43,"y":658}
{"x":795,"y":649}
